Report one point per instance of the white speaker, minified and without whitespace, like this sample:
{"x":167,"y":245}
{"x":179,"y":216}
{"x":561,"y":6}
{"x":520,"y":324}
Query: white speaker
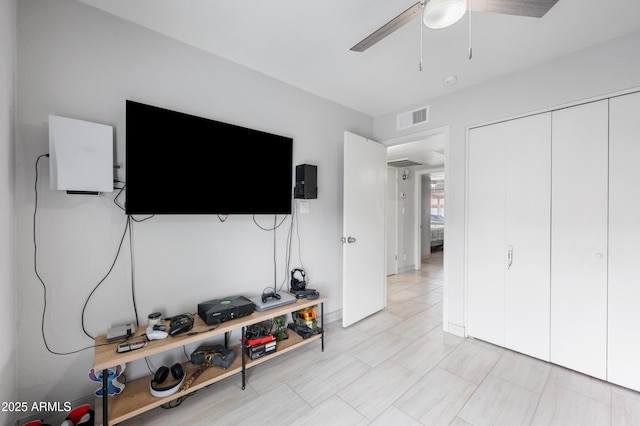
{"x":81,"y":155}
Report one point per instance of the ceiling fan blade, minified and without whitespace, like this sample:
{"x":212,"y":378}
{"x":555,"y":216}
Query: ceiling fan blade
{"x":531,"y":8}
{"x":389,"y":27}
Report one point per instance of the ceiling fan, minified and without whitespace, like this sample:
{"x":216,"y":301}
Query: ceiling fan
{"x":438,"y":14}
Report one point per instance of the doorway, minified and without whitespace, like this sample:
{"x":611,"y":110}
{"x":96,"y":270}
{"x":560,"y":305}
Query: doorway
{"x":432,"y":213}
{"x":415,"y":164}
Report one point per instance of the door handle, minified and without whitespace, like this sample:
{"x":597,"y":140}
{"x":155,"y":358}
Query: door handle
{"x":351,"y":240}
{"x":509,"y":257}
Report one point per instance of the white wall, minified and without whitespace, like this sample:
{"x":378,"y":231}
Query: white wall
{"x":77,"y":61}
{"x":602,"y":69}
{"x":425,"y":215}
{"x":406,"y":230}
{"x":7,"y":184}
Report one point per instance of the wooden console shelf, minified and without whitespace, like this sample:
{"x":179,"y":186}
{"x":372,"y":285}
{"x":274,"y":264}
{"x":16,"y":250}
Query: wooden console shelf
{"x":135,"y":399}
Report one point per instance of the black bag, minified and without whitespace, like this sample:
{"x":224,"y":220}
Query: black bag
{"x":218,"y":355}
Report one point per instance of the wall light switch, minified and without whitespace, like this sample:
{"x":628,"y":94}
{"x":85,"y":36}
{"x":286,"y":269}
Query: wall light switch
{"x":303,"y":207}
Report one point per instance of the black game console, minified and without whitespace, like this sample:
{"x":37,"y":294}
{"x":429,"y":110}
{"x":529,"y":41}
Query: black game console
{"x":221,"y":310}
{"x":309,"y":293}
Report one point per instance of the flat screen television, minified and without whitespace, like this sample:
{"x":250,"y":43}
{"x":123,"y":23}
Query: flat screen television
{"x":178,"y":163}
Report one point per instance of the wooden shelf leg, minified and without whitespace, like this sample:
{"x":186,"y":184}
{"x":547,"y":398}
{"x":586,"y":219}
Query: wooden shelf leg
{"x":244,"y":354}
{"x":322,"y":324}
{"x":105,"y":395}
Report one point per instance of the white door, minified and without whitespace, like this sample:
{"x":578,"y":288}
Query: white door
{"x":392,"y":221}
{"x":508,"y":234}
{"x":528,"y":229}
{"x":579,"y":238}
{"x":624,"y":237}
{"x":486,"y":255}
{"x":363,"y":253}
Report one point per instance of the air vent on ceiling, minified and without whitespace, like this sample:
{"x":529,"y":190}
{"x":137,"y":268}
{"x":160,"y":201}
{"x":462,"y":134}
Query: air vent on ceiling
{"x":413,"y":118}
{"x":403,"y":162}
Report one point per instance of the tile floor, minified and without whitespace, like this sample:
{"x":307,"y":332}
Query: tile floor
{"x":399,"y":368}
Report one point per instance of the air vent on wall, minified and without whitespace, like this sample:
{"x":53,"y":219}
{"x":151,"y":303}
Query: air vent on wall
{"x":402,"y":162}
{"x":413,"y":118}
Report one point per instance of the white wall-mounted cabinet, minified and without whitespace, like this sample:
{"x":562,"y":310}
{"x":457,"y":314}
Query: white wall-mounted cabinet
{"x":579,"y":238}
{"x":591,"y":254}
{"x":509,"y":225}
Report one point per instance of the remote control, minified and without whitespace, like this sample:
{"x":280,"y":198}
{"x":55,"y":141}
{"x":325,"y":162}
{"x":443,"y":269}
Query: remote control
{"x":126,"y":347}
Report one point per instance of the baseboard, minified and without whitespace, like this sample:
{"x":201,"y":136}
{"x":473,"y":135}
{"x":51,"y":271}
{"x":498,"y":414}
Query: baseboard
{"x":408,"y":268}
{"x":333,"y":316}
{"x":455,"y":329}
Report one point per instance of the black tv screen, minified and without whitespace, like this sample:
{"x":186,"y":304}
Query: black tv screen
{"x":178,"y":163}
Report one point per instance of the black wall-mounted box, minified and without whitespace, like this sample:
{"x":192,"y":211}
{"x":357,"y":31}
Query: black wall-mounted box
{"x":306,"y":182}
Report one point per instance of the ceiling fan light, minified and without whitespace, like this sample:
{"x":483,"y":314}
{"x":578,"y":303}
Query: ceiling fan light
{"x":439,"y":14}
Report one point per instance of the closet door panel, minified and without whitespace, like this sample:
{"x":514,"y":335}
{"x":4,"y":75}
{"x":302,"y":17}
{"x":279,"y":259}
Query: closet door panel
{"x":579,"y":238}
{"x":486,"y":255}
{"x":624,"y":242}
{"x":528,"y":211}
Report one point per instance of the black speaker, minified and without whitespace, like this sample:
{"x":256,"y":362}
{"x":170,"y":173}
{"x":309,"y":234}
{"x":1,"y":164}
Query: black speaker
{"x":306,"y":182}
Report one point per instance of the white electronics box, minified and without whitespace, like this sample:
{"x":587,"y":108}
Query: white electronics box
{"x":81,"y":155}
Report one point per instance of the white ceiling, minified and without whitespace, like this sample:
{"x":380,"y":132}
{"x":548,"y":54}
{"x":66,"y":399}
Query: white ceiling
{"x":306,"y":44}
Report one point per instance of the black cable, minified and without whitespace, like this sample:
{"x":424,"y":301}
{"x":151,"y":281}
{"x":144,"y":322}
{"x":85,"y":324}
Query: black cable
{"x":275,"y":262}
{"x":287,"y":253}
{"x":287,"y":257}
{"x":141,"y":220}
{"x":268,"y":229}
{"x":121,"y":207}
{"x":133,"y":275}
{"x":299,"y":243}
{"x":35,"y":267}
{"x":146,"y":359}
{"x":115,"y":200}
{"x":184,"y":349}
{"x":275,"y":258}
{"x":113,"y":264}
{"x":176,"y":402}
{"x":128,"y":226}
{"x":44,"y":286}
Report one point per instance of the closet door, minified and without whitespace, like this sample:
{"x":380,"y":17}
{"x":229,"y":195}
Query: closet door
{"x":624,"y":242}
{"x":528,"y":228}
{"x":579,"y":238}
{"x":508,"y":234}
{"x":486,"y":253}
